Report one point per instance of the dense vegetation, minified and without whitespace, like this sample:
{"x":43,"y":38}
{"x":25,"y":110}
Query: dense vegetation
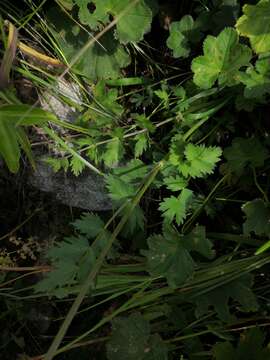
{"x":172,"y":114}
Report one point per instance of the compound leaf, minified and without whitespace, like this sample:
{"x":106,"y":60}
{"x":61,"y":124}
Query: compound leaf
{"x":114,"y":152}
{"x":255,"y":24}
{"x":222,"y":59}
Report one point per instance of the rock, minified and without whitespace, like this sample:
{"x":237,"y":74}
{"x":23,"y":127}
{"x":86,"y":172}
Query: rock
{"x":86,"y":191}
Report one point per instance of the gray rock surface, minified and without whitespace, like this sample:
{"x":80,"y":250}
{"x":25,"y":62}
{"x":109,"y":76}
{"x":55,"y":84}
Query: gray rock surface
{"x":86,"y":191}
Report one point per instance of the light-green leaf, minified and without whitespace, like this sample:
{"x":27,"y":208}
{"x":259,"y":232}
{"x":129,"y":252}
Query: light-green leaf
{"x":177,"y":207}
{"x":255,"y":24}
{"x":199,"y":160}
{"x":222,"y":59}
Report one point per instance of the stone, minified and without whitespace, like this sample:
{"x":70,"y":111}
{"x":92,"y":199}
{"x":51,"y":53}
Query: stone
{"x":86,"y":191}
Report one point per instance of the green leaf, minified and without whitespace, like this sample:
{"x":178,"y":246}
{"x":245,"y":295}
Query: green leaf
{"x":144,"y":122}
{"x":218,"y":298}
{"x":199,"y":160}
{"x":169,"y":256}
{"x":134,"y":171}
{"x":89,"y":224}
{"x":175,"y":183}
{"x":255,"y":24}
{"x":182,"y":33}
{"x":176,"y":207}
{"x":257,"y":217}
{"x":114,"y":152}
{"x":142,"y":144}
{"x":105,"y":109}
{"x":102,"y":60}
{"x":250,"y":347}
{"x":57,"y":163}
{"x":71,"y":259}
{"x":131,"y":340}
{"x":196,"y":241}
{"x":77,"y":165}
{"x":257,"y":79}
{"x":222,"y":59}
{"x":134,"y":18}
{"x":119,"y":190}
{"x":244,"y":152}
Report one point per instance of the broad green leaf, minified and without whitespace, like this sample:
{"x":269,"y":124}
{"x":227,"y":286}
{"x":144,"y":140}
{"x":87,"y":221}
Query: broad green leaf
{"x":222,"y":59}
{"x":257,"y":217}
{"x":102,"y":60}
{"x":197,"y":241}
{"x":218,"y":298}
{"x":176,"y":207}
{"x":135,"y":17}
{"x":255,"y":24}
{"x":89,"y":224}
{"x":182,"y":33}
{"x":256,"y":79}
{"x":168,"y":257}
{"x":249,"y":347}
{"x":244,"y":152}
{"x":199,"y":160}
{"x":131,"y":340}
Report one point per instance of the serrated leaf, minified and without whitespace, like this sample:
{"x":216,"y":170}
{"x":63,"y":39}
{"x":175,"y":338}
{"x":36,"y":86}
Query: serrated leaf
{"x":142,"y":143}
{"x":199,"y":160}
{"x":71,"y":260}
{"x":175,"y":183}
{"x":244,"y":152}
{"x":250,"y":347}
{"x":218,"y":298}
{"x":182,"y":33}
{"x":119,"y":190}
{"x":135,"y":222}
{"x":144,"y":122}
{"x":169,"y":258}
{"x":57,"y":163}
{"x":131,"y":340}
{"x":257,"y":217}
{"x":255,"y":24}
{"x":176,"y":207}
{"x":114,"y":152}
{"x":222,"y":59}
{"x":77,"y":166}
{"x":257,"y":79}
{"x":89,"y":224}
{"x":134,"y":170}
